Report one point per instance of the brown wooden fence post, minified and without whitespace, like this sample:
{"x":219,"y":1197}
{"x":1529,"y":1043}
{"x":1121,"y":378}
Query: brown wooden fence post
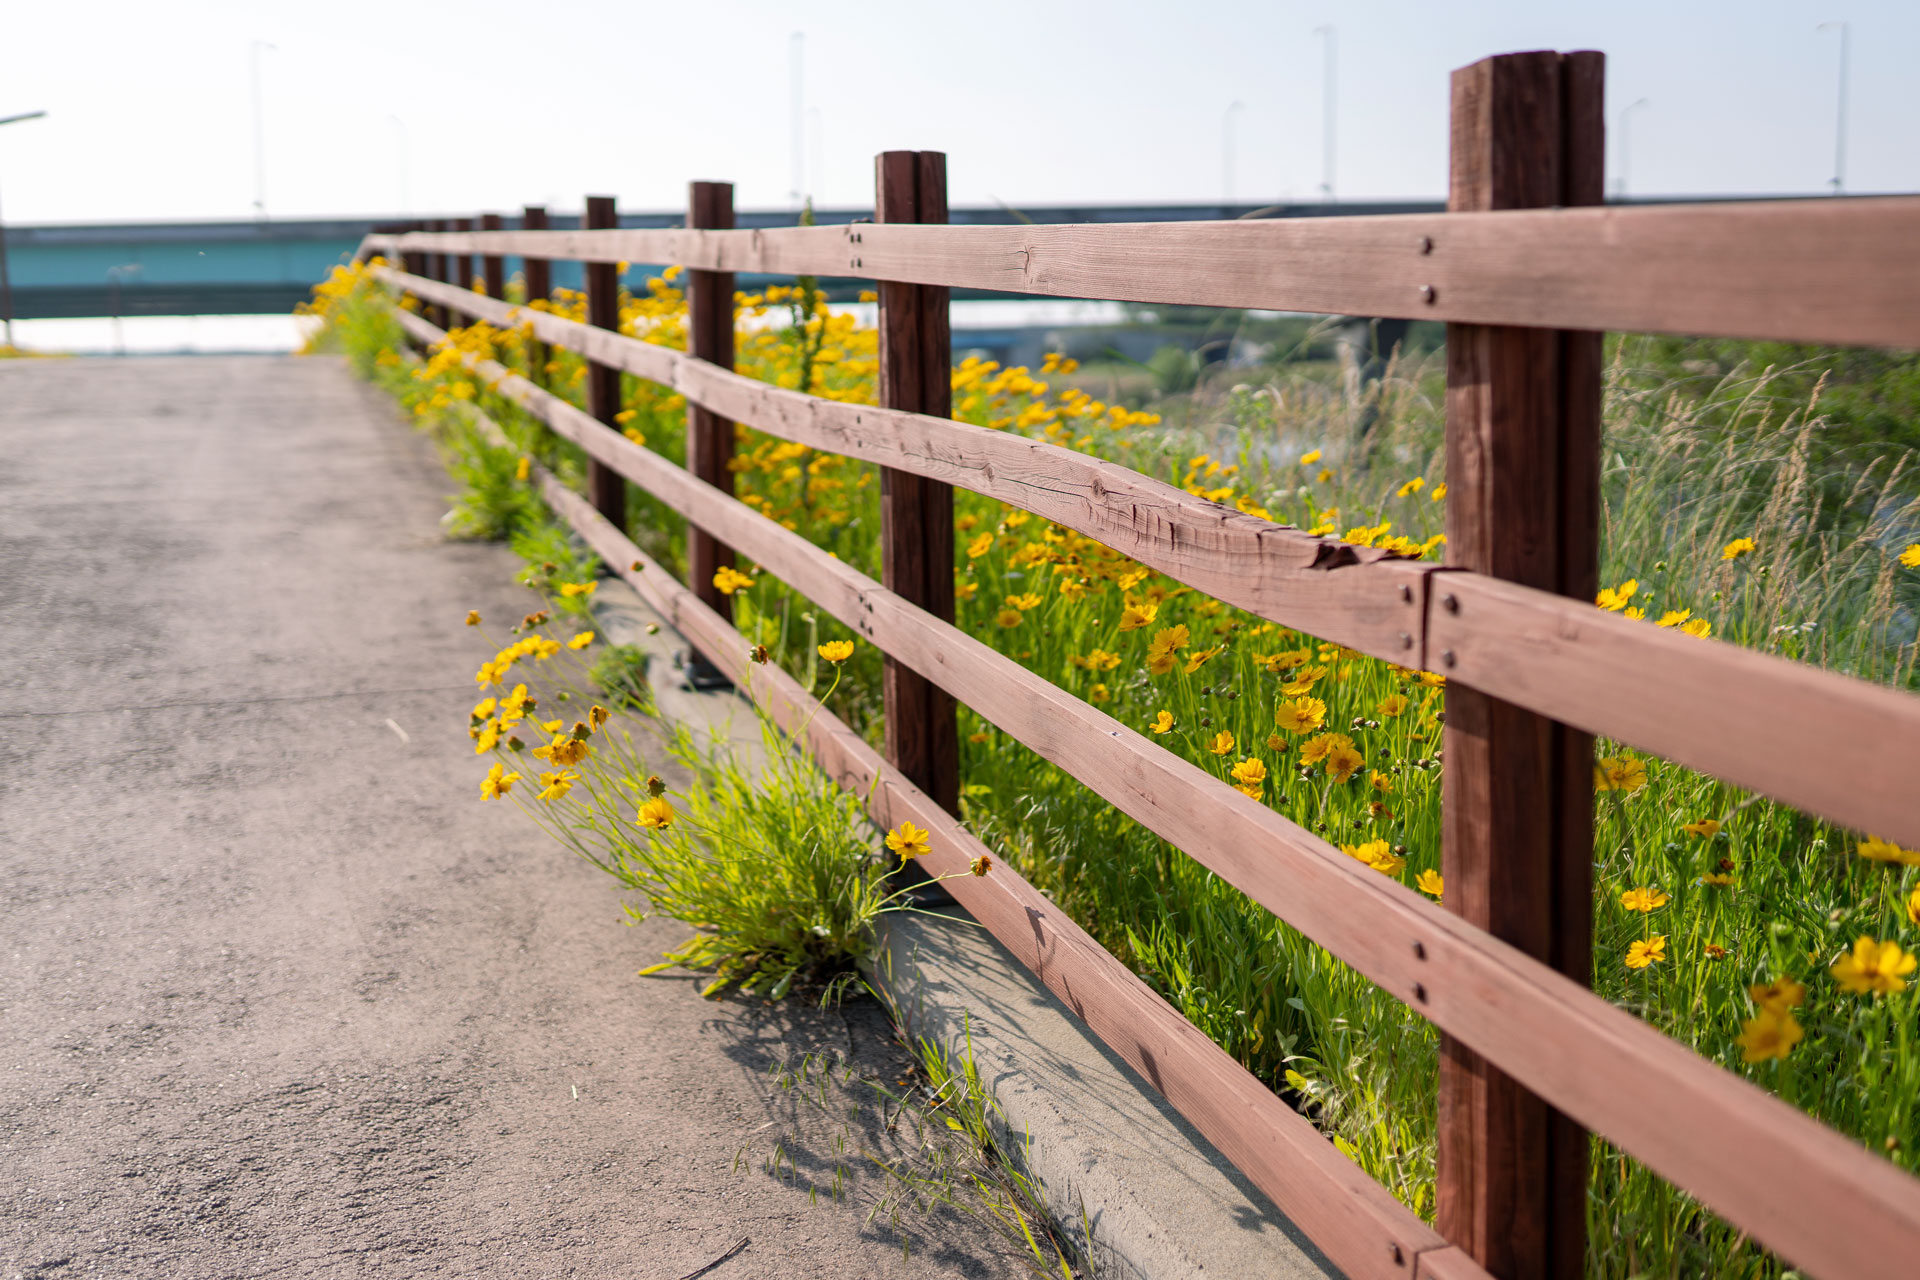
{"x":537,"y":275}
{"x":460,"y":271}
{"x":1523,"y":456}
{"x":493,"y":267}
{"x":710,"y":321}
{"x":434,"y":267}
{"x":605,"y":489}
{"x":916,"y":514}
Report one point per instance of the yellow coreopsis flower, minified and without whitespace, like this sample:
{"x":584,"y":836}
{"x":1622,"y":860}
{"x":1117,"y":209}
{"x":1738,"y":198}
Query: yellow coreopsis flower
{"x":1377,"y":854}
{"x":1250,"y":773}
{"x":1619,"y":773}
{"x":1008,"y":618}
{"x":599,"y":716}
{"x":1643,"y":900}
{"x":473,"y":617}
{"x":727,"y":580}
{"x":497,"y":783}
{"x":1674,"y":617}
{"x":655,"y":813}
{"x":1911,"y":556}
{"x":836,"y":651}
{"x":1769,"y":1034}
{"x":1412,"y":486}
{"x":580,"y":640}
{"x":1737,"y":548}
{"x":1874,"y":968}
{"x":980,"y":546}
{"x":908,"y":841}
{"x":1099,"y":693}
{"x":1698,"y":627}
{"x":1874,"y":849}
{"x":571,"y":589}
{"x":1706,"y":827}
{"x":1780,"y":995}
{"x":555,"y":785}
{"x":1392,"y":705}
{"x":1343,"y":763}
{"x":1308,"y":459}
{"x":526,"y":466}
{"x":1440,"y":492}
{"x":1429,"y":882}
{"x":1162,"y":722}
{"x":1614,"y":599}
{"x":1913,"y":906}
{"x":1651,"y":951}
{"x":1300,"y":715}
{"x":1136,"y":616}
{"x":1222,"y":743}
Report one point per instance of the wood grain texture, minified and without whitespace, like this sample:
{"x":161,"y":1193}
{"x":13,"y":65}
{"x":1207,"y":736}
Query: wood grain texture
{"x":916,"y":513}
{"x":1843,"y":1213}
{"x":1517,"y":830}
{"x":460,"y":265}
{"x":1561,"y":658}
{"x":710,"y":324}
{"x":1842,"y":272}
{"x":605,"y":489}
{"x":1349,"y":1216}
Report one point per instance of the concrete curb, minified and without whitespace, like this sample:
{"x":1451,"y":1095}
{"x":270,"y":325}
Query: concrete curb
{"x":1162,"y":1203}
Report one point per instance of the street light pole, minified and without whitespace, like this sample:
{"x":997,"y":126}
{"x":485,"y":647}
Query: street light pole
{"x":1226,"y":149}
{"x":1626,"y":115}
{"x":1328,"y":111}
{"x":259,"y":136}
{"x":6,"y":285}
{"x":1839,"y":179}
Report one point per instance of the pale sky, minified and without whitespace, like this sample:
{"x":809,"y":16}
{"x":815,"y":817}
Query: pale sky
{"x":405,"y":107}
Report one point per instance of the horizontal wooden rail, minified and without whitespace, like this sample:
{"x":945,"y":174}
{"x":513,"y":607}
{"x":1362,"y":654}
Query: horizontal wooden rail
{"x":1362,"y":1228}
{"x":1357,"y":596}
{"x":1845,"y":1210}
{"x":1716,"y":709}
{"x":1828,"y":271}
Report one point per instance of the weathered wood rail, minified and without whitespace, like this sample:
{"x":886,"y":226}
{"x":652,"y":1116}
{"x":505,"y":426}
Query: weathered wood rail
{"x":1533,"y":1059}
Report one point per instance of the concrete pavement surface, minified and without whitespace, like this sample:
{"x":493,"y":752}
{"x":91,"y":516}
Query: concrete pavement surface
{"x":279,"y":996}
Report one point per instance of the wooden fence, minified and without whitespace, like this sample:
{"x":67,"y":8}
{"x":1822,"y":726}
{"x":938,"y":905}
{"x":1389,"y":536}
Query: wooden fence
{"x":1526,"y":271}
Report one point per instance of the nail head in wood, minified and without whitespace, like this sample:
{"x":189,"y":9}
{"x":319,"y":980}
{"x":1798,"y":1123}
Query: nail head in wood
{"x":1427,"y":295}
{"x":1450,"y":602}
{"x":1446,"y":656}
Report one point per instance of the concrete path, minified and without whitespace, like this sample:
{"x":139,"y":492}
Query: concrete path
{"x":278,"y":995}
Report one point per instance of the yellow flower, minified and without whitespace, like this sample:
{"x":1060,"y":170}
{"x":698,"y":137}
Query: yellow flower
{"x":1167,"y":640}
{"x":1440,"y":492}
{"x":1911,"y":556}
{"x":1316,"y":749}
{"x":483,"y":708}
{"x":1614,"y":599}
{"x":557,"y":784}
{"x":1073,"y":588}
{"x":1300,"y":715}
{"x":1412,"y":486}
{"x":473,"y":617}
{"x":1381,"y":782}
{"x":1769,"y":1034}
{"x":836,"y":651}
{"x":1652,"y":951}
{"x":1377,"y":854}
{"x":1136,"y":616}
{"x":1222,"y":743}
{"x":655,"y":813}
{"x":1308,"y":459}
{"x":1009,"y":617}
{"x":980,"y":546}
{"x":1874,"y":849}
{"x":598,"y":716}
{"x":1737,"y":548}
{"x":1619,"y":773}
{"x":497,"y":783}
{"x":1674,"y":617}
{"x":1717,"y":880}
{"x":1276,"y":743}
{"x":485,"y":737}
{"x":1392,"y":705}
{"x":728,"y":580}
{"x":1699,"y":627}
{"x":1249,"y":773}
{"x":908,"y":841}
{"x":1876,"y":968}
{"x":1643,"y":900}
{"x":571,"y":589}
{"x":1099,"y":693}
{"x":979,"y":737}
{"x":1343,"y":762}
{"x":1429,"y":882}
{"x":1162,"y":723}
{"x":1780,"y":995}
{"x":526,"y":465}
{"x":1706,"y":827}
{"x":581,"y":640}
{"x":490,"y":673}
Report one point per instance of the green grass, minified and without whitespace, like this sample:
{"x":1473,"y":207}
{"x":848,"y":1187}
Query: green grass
{"x":1701,"y":449}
